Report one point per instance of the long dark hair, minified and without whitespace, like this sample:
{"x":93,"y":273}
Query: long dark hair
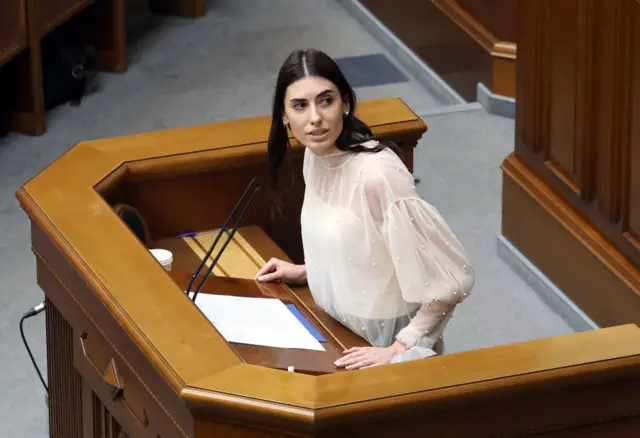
{"x":299,"y":64}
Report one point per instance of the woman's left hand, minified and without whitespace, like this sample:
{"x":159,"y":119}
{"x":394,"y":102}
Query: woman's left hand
{"x":363,"y":357}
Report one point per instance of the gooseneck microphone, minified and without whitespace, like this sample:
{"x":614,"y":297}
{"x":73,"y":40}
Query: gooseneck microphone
{"x":231,"y":234}
{"x":224,"y":228}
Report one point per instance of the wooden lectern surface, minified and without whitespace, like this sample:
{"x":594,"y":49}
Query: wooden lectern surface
{"x":305,"y":361}
{"x":248,"y":251}
{"x":129,"y":350}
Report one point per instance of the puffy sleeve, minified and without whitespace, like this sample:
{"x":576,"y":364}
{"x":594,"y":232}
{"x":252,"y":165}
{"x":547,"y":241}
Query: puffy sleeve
{"x":431,"y":265}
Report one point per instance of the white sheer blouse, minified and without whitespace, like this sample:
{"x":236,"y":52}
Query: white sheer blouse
{"x":379,"y":259}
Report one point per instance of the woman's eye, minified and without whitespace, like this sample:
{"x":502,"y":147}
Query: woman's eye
{"x":298,"y":105}
{"x":327,"y":101}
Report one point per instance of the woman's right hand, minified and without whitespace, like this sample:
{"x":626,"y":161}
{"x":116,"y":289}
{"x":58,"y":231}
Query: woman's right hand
{"x":281,"y":271}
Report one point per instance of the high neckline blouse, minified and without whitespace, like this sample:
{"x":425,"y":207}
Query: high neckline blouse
{"x":379,"y":259}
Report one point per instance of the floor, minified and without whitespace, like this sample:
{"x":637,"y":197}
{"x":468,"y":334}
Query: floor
{"x":223,"y":66}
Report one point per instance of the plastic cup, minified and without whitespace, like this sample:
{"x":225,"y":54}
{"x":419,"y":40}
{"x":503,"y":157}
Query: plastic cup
{"x":164,"y":257}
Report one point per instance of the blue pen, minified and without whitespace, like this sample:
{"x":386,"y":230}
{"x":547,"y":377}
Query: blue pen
{"x":187,"y":234}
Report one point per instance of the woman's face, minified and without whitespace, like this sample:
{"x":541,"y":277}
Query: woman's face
{"x":314,"y":110}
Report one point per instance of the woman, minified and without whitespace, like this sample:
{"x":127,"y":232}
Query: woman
{"x":377,"y":258}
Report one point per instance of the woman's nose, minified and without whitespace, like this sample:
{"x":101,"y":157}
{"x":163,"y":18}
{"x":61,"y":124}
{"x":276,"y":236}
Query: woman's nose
{"x":315,"y":116}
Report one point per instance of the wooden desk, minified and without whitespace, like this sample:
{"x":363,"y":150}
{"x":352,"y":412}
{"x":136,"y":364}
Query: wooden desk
{"x":249,"y":250}
{"x":304,"y":361}
{"x":25,"y":23}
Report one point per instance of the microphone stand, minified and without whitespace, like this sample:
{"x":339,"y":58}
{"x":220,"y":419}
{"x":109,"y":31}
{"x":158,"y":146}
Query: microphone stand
{"x":224,"y":227}
{"x":243,"y":212}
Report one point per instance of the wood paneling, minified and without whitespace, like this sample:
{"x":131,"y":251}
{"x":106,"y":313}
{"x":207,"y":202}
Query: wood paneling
{"x":576,"y":124}
{"x":498,"y":16}
{"x":445,"y":48}
{"x":631,"y":160}
{"x":559,"y":242}
{"x":561,"y":149}
{"x":456,"y":39}
{"x":99,"y":423}
{"x":85,"y":345}
{"x":612,"y":101}
{"x":530,"y":130}
{"x":47,"y":14}
{"x":13,"y":29}
{"x":64,"y":382}
{"x":562,"y":58}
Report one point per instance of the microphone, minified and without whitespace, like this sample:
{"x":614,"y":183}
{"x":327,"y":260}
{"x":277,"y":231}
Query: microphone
{"x":224,"y":226}
{"x":230,"y":236}
{"x":233,"y":232}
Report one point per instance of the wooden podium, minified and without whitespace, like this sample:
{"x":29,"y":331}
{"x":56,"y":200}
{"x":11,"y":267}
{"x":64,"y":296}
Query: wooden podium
{"x":130,"y":355}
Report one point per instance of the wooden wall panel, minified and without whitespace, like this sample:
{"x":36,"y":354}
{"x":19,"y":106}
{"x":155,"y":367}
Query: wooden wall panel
{"x":554,"y":88}
{"x":575,"y":100}
{"x":577,"y":128}
{"x":612,"y":118}
{"x":498,"y":16}
{"x":612,"y":102}
{"x":65,"y":384}
{"x":446,"y":48}
{"x":530,"y":132}
{"x":568,"y":152}
{"x":583,"y":128}
{"x":561,"y":148}
{"x":631,"y":197}
{"x":463,"y":41}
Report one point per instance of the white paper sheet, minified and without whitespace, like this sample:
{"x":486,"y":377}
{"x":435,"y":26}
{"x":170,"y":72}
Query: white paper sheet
{"x":256,"y":321}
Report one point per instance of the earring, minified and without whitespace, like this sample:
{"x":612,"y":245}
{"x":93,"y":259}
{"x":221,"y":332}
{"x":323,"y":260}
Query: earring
{"x":284,"y":122}
{"x":346,"y":113}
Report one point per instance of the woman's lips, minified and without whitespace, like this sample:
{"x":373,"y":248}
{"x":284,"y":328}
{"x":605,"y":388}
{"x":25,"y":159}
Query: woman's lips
{"x":318,"y":134}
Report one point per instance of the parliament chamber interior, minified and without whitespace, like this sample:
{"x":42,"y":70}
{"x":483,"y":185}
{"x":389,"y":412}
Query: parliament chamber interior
{"x":518,"y":120}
